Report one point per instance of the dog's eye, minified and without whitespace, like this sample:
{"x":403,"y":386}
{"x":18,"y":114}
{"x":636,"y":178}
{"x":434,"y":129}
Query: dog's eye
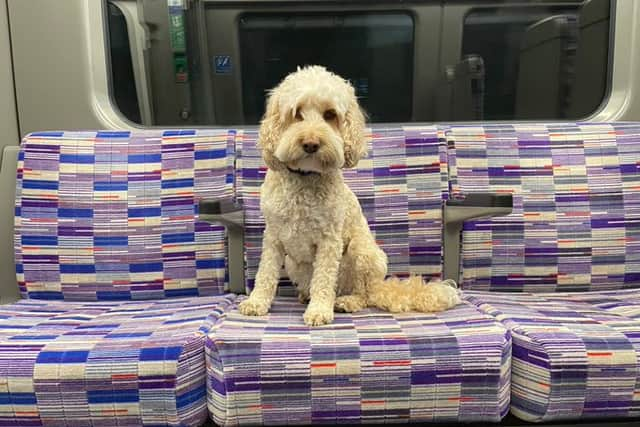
{"x":329,"y":115}
{"x":298,"y":114}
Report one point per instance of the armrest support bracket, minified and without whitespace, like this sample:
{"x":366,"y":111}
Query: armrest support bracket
{"x":231,"y":216}
{"x":456,"y":211}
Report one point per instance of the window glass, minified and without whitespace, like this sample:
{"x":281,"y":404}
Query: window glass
{"x":122,"y":78}
{"x":539,"y":62}
{"x":207,"y":62}
{"x":373,"y":51}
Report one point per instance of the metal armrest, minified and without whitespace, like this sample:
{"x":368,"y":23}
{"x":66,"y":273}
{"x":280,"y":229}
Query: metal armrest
{"x":231,"y":216}
{"x":456,"y":211}
{"x":223,"y":211}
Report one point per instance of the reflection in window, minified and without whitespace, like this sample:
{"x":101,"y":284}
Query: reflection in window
{"x":545,"y":60}
{"x":540,"y":63}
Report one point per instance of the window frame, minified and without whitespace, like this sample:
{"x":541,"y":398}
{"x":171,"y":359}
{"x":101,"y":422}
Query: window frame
{"x":609,"y":108}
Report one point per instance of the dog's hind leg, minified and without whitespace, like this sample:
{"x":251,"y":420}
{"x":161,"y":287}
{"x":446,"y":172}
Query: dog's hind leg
{"x":352,"y":295}
{"x":363,"y":284}
{"x":362,"y":264}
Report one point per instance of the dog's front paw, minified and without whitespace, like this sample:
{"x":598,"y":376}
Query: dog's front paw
{"x":253,"y":307}
{"x":316,"y":315}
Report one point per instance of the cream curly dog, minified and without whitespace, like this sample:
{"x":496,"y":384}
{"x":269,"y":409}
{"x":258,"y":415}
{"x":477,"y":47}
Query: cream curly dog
{"x":313,"y":127}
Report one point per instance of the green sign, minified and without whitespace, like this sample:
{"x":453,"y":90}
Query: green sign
{"x":178,"y":40}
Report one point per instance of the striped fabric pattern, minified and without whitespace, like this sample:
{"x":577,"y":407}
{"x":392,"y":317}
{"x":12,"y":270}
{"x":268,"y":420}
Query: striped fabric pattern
{"x":100,"y":363}
{"x":400,"y":185}
{"x":366,"y":367}
{"x":574,"y":225}
{"x":113,"y":215}
{"x":575,"y":355}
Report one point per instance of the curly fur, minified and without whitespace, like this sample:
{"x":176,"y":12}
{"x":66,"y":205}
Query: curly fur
{"x":314,"y":223}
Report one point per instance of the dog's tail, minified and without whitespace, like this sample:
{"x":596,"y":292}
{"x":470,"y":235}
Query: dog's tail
{"x":413,"y":294}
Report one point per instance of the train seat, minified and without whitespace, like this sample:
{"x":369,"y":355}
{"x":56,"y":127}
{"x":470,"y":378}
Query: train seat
{"x":370,"y":366}
{"x":128,"y":311}
{"x":562,"y":271}
{"x":367,"y":367}
{"x":575,"y":355}
{"x":120,"y":282}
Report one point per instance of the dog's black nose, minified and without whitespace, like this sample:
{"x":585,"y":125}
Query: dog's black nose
{"x":310,"y":147}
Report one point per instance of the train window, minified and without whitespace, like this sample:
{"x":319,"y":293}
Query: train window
{"x":122,"y":77}
{"x":373,"y":51}
{"x":210,"y":62}
{"x":540,"y":62}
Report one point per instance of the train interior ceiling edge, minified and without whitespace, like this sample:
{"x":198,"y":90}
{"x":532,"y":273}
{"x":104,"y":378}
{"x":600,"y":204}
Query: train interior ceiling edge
{"x":505,"y":155}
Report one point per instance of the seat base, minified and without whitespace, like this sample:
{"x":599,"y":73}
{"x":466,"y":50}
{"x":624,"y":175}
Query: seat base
{"x":367,"y":367}
{"x":105,"y":363}
{"x":575,"y":355}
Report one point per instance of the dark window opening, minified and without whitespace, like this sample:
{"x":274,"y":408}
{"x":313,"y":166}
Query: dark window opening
{"x":546,"y":60}
{"x":540,"y":63}
{"x":373,"y":51}
{"x":122,"y":77}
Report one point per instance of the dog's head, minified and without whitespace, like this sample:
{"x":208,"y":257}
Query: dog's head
{"x":312,"y":123}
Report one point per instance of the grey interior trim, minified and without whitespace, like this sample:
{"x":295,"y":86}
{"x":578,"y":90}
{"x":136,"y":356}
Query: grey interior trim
{"x":9,"y":291}
{"x":232,"y":217}
{"x":458,"y":211}
{"x":8,"y":108}
{"x":138,"y":38}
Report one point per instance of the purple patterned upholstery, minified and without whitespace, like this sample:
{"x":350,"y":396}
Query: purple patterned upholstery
{"x":112,"y":215}
{"x":366,"y":367}
{"x":106,"y":216}
{"x":575,"y":355}
{"x":574,"y":225}
{"x":370,"y":366}
{"x":101,"y":363}
{"x":400,"y":185}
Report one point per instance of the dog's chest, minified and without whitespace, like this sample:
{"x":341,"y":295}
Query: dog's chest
{"x":302,"y":214}
{"x":301,"y":219}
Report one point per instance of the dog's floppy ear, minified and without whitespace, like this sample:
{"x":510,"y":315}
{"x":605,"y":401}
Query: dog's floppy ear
{"x":355,"y":145}
{"x":271,"y":128}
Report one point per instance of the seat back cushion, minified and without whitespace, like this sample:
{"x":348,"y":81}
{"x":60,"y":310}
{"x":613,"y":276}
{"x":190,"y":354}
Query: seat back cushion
{"x":400,"y":185}
{"x":113,"y":215}
{"x":575,"y":224}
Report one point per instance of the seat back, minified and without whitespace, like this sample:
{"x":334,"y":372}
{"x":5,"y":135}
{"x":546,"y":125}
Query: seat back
{"x":113,"y":215}
{"x":400,"y":185}
{"x":575,"y":224}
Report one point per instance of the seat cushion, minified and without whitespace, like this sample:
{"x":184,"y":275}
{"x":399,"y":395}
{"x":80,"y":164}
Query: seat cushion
{"x":400,"y":186}
{"x":575,"y":355}
{"x":113,"y":215}
{"x":370,"y":366}
{"x":105,"y":363}
{"x":576,"y":205}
